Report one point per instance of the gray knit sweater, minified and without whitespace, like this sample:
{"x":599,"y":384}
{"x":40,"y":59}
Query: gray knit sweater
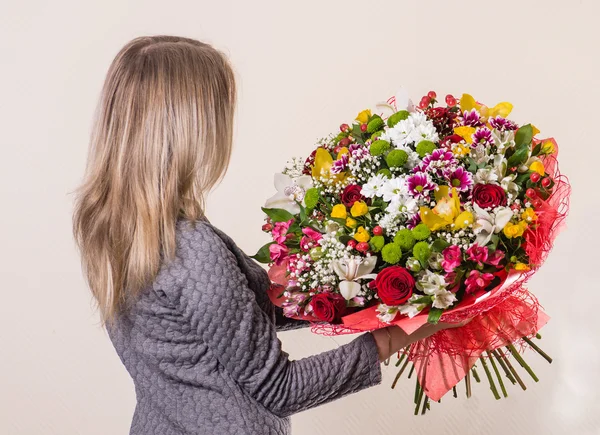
{"x":202,"y":348}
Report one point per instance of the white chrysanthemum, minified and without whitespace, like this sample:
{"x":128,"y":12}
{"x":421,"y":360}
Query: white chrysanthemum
{"x":412,"y":130}
{"x":403,"y":204}
{"x":373,"y":187}
{"x":394,"y":188}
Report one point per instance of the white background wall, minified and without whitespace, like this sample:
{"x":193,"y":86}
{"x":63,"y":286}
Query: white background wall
{"x":304,"y":67}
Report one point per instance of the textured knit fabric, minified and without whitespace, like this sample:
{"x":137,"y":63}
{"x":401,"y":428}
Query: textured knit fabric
{"x":201,"y":346}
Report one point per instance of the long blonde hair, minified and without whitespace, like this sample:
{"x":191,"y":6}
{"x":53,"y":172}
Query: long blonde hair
{"x":161,"y":139}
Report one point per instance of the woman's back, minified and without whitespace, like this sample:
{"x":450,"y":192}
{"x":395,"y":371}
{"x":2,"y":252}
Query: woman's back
{"x":201,"y":346}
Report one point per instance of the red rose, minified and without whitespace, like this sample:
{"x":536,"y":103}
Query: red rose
{"x":351,"y":194}
{"x":489,"y":195}
{"x":328,"y":306}
{"x":394,"y":285}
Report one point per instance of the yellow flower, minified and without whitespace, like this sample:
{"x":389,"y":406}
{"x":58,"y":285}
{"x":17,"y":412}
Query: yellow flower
{"x":446,"y":212}
{"x":363,"y":117}
{"x":535,"y":129}
{"x":522,"y":267}
{"x":515,"y":230}
{"x":538,"y":167}
{"x":548,"y":147}
{"x":339,"y":211}
{"x":343,"y":150}
{"x":461,"y":150}
{"x":351,"y":223}
{"x":322,"y":167}
{"x":359,"y":208}
{"x":466,"y":133}
{"x":529,"y":215}
{"x":467,"y":103}
{"x":361,"y":235}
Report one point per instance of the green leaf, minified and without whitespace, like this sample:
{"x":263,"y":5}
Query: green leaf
{"x":422,"y":300}
{"x":472,"y":165}
{"x":522,"y":143}
{"x":439,"y":245}
{"x":434,"y":315}
{"x":278,"y":214}
{"x":344,"y":239}
{"x":524,"y":136}
{"x":263,"y":254}
{"x":536,"y":149}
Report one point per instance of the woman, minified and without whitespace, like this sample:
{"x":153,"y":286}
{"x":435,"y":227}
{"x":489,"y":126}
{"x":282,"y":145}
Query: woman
{"x":185,"y":308}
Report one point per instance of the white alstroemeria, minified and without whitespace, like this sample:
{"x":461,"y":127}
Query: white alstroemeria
{"x":434,"y":285}
{"x":289,"y":190}
{"x":488,"y":224}
{"x":332,"y":227}
{"x":431,"y":283}
{"x":372,"y":188}
{"x":351,"y":269}
{"x":508,"y":184}
{"x":486,"y":175}
{"x":386,"y":313}
{"x":443,"y":299}
{"x":503,"y":139}
{"x":410,"y":308}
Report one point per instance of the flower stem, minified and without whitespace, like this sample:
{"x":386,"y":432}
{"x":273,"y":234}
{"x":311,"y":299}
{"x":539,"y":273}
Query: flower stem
{"x":500,"y":381}
{"x":412,"y":369}
{"x":490,"y":379}
{"x":454,"y":393}
{"x":522,"y":362}
{"x":538,"y":336}
{"x":419,"y":398}
{"x":476,"y":375}
{"x":400,"y":373}
{"x":538,"y":350}
{"x":504,"y":367}
{"x":400,"y":359}
{"x":425,"y":405}
{"x":512,"y":370}
{"x":468,"y":382}
{"x":417,"y":388}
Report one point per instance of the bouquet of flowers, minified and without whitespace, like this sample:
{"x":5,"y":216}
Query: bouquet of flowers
{"x":413,"y":214}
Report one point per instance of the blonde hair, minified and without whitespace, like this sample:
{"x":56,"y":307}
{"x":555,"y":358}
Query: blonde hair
{"x":161,"y":140}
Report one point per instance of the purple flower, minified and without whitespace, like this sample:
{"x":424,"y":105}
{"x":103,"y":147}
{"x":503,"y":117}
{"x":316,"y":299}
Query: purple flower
{"x":460,"y":178}
{"x":437,"y":162}
{"x":340,"y":164}
{"x":420,"y":185}
{"x":483,"y":136}
{"x":358,"y":151}
{"x":502,"y":124}
{"x":413,"y":221}
{"x":472,"y":118}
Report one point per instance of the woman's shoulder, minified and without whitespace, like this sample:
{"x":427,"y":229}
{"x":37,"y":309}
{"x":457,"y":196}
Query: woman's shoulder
{"x":200,"y":239}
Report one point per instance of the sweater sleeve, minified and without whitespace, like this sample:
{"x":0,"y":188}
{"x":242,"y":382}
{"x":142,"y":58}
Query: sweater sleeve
{"x":224,"y":312}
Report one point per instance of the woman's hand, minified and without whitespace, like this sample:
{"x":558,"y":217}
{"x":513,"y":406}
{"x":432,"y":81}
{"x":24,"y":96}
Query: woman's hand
{"x":391,"y":339}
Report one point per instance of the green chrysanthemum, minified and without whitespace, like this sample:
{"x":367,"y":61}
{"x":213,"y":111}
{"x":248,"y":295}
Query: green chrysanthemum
{"x":397,"y":117}
{"x":425,"y":147}
{"x":385,"y":172}
{"x":379,"y":147}
{"x":376,"y":135}
{"x":396,"y":158}
{"x":375,"y":124}
{"x":405,"y":239}
{"x":391,"y":253}
{"x":421,"y":232}
{"x":422,"y":252}
{"x":311,"y":198}
{"x":377,"y":243}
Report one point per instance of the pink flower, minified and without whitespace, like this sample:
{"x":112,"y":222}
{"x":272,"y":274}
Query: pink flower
{"x":278,"y":253}
{"x":452,"y":258}
{"x":279,"y":231}
{"x":496,"y":258}
{"x":477,"y":281}
{"x":312,"y":234}
{"x":478,"y":254}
